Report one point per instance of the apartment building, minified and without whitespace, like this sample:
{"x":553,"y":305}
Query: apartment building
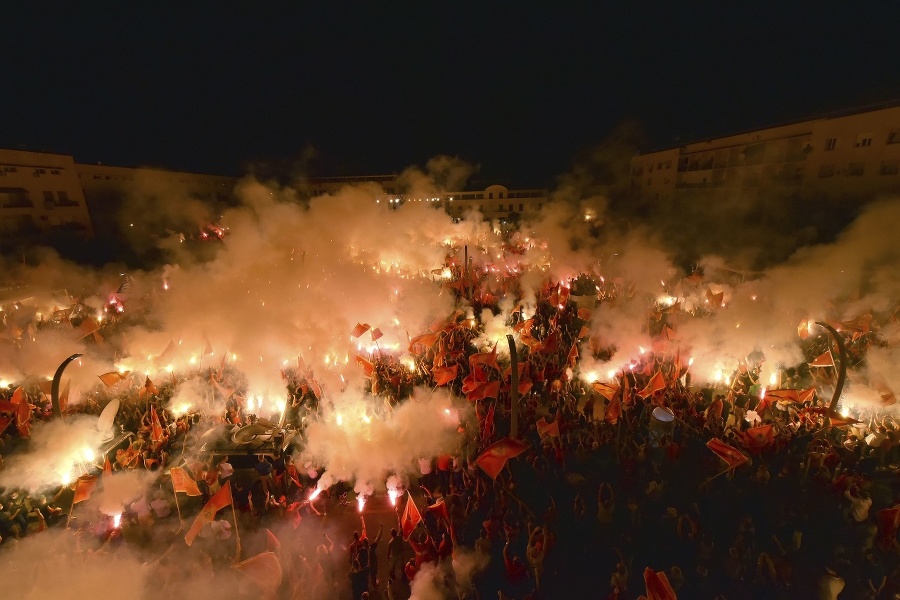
{"x":40,"y":197}
{"x":852,"y":156}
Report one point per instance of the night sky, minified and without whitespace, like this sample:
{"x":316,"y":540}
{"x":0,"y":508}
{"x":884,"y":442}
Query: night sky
{"x":520,"y":89}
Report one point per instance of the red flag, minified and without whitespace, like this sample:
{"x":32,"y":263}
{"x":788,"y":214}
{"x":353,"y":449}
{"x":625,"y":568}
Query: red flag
{"x":410,"y":517}
{"x":439,"y":510}
{"x":107,"y":466}
{"x":525,"y":386}
{"x":604,"y":389}
{"x":807,"y":395}
{"x":226,"y":394}
{"x":613,"y":410}
{"x":656,"y":383}
{"x":444,"y":375}
{"x":491,"y":389}
{"x":487,"y":428}
{"x":757,"y":438}
{"x":544,"y":428}
{"x":803,"y":329}
{"x":550,"y":343}
{"x":494,"y":458}
{"x":87,"y":327}
{"x":573,"y":355}
{"x":888,"y":524}
{"x":714,"y":299}
{"x":823,"y":360}
{"x":167,"y":354}
{"x":23,"y":412}
{"x":360,"y":329}
{"x":315,"y":387}
{"x":207,"y":347}
{"x":658,"y":587}
{"x":84,"y":487}
{"x":426,"y":339}
{"x":156,"y":429}
{"x":4,"y":423}
{"x":376,"y":334}
{"x":485,"y":358}
{"x":264,"y":570}
{"x":182,"y":482}
{"x":113,"y":377}
{"x":584,"y":332}
{"x":220,"y":500}
{"x":523,"y":326}
{"x":474,"y":379}
{"x":781,"y":396}
{"x":585,"y":314}
{"x":731,"y":455}
{"x":367,"y":367}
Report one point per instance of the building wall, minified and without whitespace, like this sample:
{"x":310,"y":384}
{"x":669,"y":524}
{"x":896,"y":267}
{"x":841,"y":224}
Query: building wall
{"x":40,"y":196}
{"x":496,"y":202}
{"x":854,"y":155}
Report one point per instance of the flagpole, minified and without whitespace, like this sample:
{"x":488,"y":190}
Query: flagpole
{"x":71,"y":508}
{"x":237,"y":533}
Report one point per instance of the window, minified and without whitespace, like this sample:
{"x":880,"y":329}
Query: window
{"x":49,"y":202}
{"x":826,"y":171}
{"x":501,"y":209}
{"x":894,"y":137}
{"x":889,"y":167}
{"x":521,"y":207}
{"x":863,"y":140}
{"x":855,"y":169}
{"x":830,"y":144}
{"x":490,"y":195}
{"x":501,"y":195}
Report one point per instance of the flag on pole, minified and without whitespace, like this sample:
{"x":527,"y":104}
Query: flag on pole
{"x":485,"y":358}
{"x":107,"y":466}
{"x":220,"y":500}
{"x":113,"y":377}
{"x":604,"y":389}
{"x":376,"y":334}
{"x":545,"y":429}
{"x":367,"y":366}
{"x":360,"y":329}
{"x":656,"y":383}
{"x":84,"y":487}
{"x":410,"y":517}
{"x":264,"y":570}
{"x":182,"y":482}
{"x":23,"y":412}
{"x":167,"y":354}
{"x":207,"y":347}
{"x":494,"y":458}
{"x":444,"y":375}
{"x":826,"y":359}
{"x":426,"y":339}
{"x":731,"y":455}
{"x":156,"y":428}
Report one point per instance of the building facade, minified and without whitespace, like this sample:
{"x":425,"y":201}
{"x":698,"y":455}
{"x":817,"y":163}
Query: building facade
{"x":853,"y":156}
{"x":40,"y":197}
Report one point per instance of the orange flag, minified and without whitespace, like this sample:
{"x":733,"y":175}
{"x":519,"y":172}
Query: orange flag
{"x":714,"y":299}
{"x":573,"y":355}
{"x":220,"y":500}
{"x":182,"y":482}
{"x":376,"y":334}
{"x":426,"y":339}
{"x":544,"y":428}
{"x":757,"y":438}
{"x":807,"y":395}
{"x":604,"y":389}
{"x":656,"y":383}
{"x":410,"y":517}
{"x":782,"y":396}
{"x":444,"y":375}
{"x":494,"y":458}
{"x":264,"y":570}
{"x":823,"y":360}
{"x":367,"y":367}
{"x":585,"y":314}
{"x":613,"y":410}
{"x":107,"y":466}
{"x":84,"y":487}
{"x":360,"y":329}
{"x":491,"y":389}
{"x":113,"y":377}
{"x":731,"y":455}
{"x":156,"y":428}
{"x":23,"y":413}
{"x":485,"y":358}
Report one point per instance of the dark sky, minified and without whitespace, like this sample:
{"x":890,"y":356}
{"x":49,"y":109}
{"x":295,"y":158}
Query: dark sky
{"x":517,"y":88}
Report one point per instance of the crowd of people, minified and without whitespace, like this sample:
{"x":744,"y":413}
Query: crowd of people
{"x":606,"y":496}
